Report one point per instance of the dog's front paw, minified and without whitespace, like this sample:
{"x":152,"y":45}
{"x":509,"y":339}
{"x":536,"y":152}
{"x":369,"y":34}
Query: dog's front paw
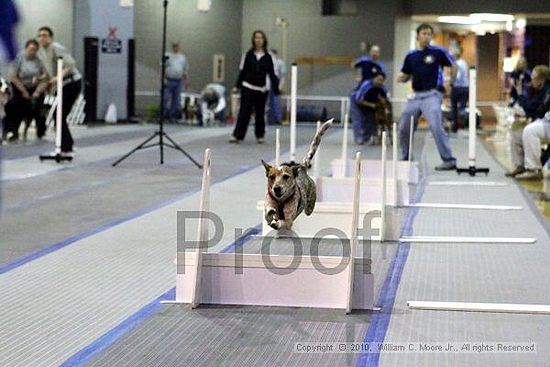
{"x":271,"y":216}
{"x":275,"y":224}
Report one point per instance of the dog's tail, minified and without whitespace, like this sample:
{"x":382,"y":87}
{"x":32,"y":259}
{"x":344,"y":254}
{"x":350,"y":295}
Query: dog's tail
{"x":315,"y":143}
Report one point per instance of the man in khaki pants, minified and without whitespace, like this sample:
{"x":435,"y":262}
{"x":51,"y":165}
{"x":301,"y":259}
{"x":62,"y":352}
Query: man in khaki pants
{"x":525,"y":141}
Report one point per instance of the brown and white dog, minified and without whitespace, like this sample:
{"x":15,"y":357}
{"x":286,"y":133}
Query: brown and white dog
{"x":290,"y":190}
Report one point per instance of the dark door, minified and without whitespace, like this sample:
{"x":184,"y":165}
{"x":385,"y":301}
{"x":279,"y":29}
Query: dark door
{"x":91,"y":53}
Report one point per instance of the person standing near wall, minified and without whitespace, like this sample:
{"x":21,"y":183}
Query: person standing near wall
{"x":274,"y":115}
{"x":177,"y":69}
{"x":369,"y":64}
{"x":49,"y":52}
{"x":256,"y":65}
{"x":459,"y":89}
{"x":424,"y":65}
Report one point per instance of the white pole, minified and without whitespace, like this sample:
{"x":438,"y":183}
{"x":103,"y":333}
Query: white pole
{"x":354,"y":224}
{"x":285,"y":38}
{"x":342,"y":109}
{"x":345,"y":146}
{"x":472,"y":119}
{"x":202,"y":229}
{"x":394,"y":167}
{"x":293,"y":93}
{"x":59,"y":108}
{"x":489,"y":240}
{"x":317,"y":156}
{"x":384,"y":190}
{"x":277,"y":147}
{"x":481,"y":307}
{"x":411,"y":132}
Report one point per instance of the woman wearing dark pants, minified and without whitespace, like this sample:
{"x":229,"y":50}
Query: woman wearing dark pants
{"x":255,"y":66}
{"x":27,"y":76}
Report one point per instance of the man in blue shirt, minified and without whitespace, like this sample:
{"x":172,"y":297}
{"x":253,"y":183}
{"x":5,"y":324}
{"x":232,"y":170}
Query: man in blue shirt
{"x":425,"y":65}
{"x":460,"y":90}
{"x":370,"y":64}
{"x":363,"y":104}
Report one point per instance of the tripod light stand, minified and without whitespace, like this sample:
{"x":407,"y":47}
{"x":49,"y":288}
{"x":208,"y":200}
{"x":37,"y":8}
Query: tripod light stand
{"x":170,"y":143}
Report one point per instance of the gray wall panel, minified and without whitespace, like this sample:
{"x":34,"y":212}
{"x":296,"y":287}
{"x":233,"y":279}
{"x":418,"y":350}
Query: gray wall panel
{"x":93,"y":19}
{"x":200,"y":36}
{"x":57,"y":14}
{"x":311,"y":34}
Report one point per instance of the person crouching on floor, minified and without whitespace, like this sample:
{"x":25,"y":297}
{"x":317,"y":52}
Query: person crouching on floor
{"x":213,"y":105}
{"x":363,"y":105}
{"x":525,"y":143}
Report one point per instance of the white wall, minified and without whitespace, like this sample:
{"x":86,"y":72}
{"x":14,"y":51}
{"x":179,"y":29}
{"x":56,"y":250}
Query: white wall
{"x":57,"y":14}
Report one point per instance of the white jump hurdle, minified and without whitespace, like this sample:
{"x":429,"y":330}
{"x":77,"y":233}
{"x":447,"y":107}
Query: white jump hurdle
{"x":406,"y":172}
{"x":335,"y":197}
{"x":211,"y":278}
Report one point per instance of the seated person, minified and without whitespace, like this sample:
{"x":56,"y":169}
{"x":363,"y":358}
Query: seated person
{"x":363,"y":103}
{"x":212,"y":105}
{"x":28,"y":77}
{"x":525,"y":143}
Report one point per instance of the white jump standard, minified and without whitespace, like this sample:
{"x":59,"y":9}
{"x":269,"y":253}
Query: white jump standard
{"x":58,"y":155}
{"x":472,"y":169}
{"x":242,"y":278}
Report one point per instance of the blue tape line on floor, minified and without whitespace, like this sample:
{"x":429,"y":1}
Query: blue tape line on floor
{"x":59,"y":245}
{"x":380,"y":321}
{"x":107,"y":339}
{"x":110,"y":337}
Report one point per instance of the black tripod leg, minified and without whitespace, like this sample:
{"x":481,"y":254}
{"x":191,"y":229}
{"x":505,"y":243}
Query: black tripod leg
{"x":136,"y":149}
{"x":177,"y":147}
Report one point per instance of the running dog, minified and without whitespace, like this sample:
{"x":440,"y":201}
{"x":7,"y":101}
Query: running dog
{"x":290,"y":190}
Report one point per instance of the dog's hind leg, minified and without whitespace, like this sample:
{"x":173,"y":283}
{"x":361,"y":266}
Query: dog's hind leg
{"x":310,"y":201}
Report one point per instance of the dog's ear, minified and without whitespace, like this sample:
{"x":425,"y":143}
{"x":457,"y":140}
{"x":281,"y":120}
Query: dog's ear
{"x":267,"y":167}
{"x":295,"y":170}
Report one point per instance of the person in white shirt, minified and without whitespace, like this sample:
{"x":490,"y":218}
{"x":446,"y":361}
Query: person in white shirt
{"x":213,"y":104}
{"x":177,"y":69}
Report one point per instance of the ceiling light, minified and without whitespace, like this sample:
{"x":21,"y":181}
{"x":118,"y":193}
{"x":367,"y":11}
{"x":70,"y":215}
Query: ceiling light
{"x":521,"y":23}
{"x":455,"y":19}
{"x":492,"y":17}
{"x":479,"y":29}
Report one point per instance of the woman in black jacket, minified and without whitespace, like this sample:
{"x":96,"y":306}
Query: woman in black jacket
{"x":256,"y":65}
